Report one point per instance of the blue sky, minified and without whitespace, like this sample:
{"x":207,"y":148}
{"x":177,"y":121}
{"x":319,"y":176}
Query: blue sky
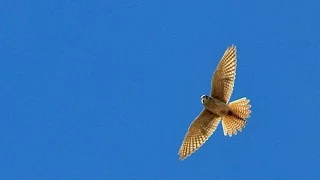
{"x":107,"y":89}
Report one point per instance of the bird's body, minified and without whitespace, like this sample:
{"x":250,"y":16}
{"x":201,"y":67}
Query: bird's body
{"x":215,"y":105}
{"x":217,"y":108}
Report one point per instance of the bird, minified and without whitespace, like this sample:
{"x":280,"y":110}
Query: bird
{"x":217,"y":107}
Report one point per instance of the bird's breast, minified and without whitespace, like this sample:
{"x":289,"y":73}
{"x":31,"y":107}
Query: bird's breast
{"x":216,"y":106}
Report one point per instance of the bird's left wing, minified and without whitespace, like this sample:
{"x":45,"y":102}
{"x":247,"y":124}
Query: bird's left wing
{"x":223,"y":78}
{"x":198,"y":133}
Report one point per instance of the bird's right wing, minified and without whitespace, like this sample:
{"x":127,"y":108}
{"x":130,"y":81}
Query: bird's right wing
{"x":198,"y":133}
{"x":223,"y":78}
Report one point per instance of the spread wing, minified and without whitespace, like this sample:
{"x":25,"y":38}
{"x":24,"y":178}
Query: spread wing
{"x":198,"y":133}
{"x":223,"y":78}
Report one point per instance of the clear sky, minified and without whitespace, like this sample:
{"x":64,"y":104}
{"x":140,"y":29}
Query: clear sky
{"x":106,"y":89}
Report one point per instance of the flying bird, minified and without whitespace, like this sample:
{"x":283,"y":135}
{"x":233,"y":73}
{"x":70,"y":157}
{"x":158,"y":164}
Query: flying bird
{"x":217,"y":107}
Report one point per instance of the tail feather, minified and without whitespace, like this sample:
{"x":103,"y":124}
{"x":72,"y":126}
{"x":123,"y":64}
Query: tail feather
{"x":241,"y":108}
{"x":236,"y":119}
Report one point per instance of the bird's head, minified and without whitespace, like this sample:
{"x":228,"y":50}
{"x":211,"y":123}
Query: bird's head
{"x":204,"y":98}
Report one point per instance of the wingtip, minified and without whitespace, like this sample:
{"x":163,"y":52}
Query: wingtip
{"x":232,"y":45}
{"x":181,"y":158}
{"x":231,"y":48}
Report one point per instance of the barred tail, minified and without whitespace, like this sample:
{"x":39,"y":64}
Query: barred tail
{"x":236,"y":118}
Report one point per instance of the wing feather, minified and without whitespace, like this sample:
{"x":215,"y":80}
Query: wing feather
{"x":198,"y":133}
{"x":223,"y":78}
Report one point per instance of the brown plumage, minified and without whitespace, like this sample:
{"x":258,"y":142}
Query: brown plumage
{"x":216,"y":107}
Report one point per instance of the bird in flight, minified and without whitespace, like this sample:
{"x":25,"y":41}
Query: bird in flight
{"x":217,"y":107}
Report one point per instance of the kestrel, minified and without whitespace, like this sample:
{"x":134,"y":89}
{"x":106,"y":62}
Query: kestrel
{"x":217,"y":107}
